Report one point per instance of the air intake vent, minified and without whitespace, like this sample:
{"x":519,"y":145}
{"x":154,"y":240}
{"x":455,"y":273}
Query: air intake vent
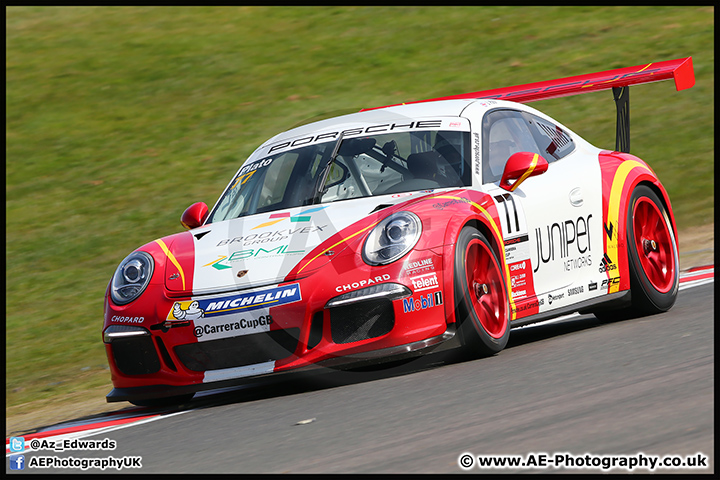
{"x":238,"y":351}
{"x":135,"y":356}
{"x":316,"y":330}
{"x":362,"y":320}
{"x":380,"y":207}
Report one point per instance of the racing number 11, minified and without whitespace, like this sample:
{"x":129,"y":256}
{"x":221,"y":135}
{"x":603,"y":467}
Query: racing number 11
{"x":504,"y":200}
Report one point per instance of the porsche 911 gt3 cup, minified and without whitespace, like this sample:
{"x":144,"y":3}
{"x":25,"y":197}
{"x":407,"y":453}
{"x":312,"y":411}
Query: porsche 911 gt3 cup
{"x":396,"y":231}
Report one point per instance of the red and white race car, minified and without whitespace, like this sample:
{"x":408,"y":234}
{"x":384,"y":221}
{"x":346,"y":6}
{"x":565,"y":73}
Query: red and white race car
{"x":395,"y":231}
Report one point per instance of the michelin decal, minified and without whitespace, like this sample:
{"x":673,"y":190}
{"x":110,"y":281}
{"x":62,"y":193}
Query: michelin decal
{"x":233,"y":315}
{"x":244,"y":302}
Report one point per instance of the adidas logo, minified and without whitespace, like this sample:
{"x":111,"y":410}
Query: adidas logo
{"x":606,"y":264}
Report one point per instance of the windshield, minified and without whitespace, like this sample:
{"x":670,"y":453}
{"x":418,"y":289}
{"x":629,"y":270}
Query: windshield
{"x":363,"y":167}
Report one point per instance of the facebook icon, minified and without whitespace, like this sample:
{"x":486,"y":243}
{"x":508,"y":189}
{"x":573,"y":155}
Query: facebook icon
{"x":17,"y":462}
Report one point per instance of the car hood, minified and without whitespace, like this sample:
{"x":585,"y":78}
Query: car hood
{"x":263,"y":249}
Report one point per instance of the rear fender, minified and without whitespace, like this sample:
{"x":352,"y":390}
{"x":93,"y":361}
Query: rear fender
{"x":621,"y":173}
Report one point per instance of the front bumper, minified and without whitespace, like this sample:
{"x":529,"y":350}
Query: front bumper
{"x":447,"y":340}
{"x":341,"y":315}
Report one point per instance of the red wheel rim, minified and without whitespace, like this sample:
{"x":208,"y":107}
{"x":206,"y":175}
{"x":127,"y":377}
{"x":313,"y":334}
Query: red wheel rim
{"x":485,"y":288}
{"x":653,"y":244}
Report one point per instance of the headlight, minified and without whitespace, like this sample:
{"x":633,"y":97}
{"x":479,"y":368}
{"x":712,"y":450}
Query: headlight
{"x":392,"y":238}
{"x":131,"y":277}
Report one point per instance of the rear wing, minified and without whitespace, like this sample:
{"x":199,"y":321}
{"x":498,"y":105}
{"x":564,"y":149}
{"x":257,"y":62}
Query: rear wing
{"x":680,"y":70}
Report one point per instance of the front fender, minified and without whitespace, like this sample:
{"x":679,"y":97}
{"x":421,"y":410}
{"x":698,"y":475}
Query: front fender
{"x":478,"y":210}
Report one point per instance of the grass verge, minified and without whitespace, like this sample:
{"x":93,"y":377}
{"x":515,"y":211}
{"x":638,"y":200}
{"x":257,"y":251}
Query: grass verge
{"x":117,"y":118}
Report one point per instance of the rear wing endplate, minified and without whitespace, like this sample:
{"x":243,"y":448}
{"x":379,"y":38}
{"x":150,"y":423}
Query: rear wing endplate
{"x":680,"y":70}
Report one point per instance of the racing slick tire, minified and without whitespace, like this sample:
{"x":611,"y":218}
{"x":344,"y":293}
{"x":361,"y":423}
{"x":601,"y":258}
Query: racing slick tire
{"x":652,"y":253}
{"x":652,"y":257}
{"x":482,"y":305}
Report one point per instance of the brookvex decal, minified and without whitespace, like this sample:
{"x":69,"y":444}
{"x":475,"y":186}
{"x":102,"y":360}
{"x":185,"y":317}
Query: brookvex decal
{"x":266,"y":298}
{"x":274,"y":236}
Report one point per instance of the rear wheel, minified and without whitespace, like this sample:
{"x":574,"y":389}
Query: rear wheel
{"x":652,"y":253}
{"x":482,"y":306}
{"x":652,"y":257}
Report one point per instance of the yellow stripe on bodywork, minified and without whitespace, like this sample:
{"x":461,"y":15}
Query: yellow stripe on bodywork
{"x":615,"y":78}
{"x":527,"y":173}
{"x":613,"y":215}
{"x":481,"y":209}
{"x":498,"y":235}
{"x":172,"y":258}
{"x":338,"y":243}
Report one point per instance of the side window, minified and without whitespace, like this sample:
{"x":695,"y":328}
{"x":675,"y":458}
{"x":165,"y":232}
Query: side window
{"x":504,"y":132}
{"x":553,"y":141}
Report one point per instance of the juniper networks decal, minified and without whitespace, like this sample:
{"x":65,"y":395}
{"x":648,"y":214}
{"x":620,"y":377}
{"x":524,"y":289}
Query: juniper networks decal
{"x":569,"y":241}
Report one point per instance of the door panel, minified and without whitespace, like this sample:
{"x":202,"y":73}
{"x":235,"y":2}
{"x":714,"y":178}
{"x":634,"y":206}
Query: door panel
{"x":552,"y":222}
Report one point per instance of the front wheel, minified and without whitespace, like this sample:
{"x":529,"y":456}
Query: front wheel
{"x":482,"y":304}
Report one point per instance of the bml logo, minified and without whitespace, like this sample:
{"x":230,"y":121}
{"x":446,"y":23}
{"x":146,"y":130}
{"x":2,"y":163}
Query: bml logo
{"x":17,"y":462}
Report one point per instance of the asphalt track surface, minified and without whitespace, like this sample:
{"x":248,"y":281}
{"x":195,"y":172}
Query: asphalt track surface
{"x":577,"y":386}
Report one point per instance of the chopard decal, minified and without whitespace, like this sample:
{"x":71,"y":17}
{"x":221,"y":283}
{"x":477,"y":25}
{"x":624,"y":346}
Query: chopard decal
{"x":370,"y":281}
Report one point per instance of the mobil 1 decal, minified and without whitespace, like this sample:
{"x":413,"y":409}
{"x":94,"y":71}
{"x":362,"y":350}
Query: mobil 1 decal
{"x":517,"y":245}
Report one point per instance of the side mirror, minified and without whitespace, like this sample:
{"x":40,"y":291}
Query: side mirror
{"x":194,"y":215}
{"x":520,"y":166}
